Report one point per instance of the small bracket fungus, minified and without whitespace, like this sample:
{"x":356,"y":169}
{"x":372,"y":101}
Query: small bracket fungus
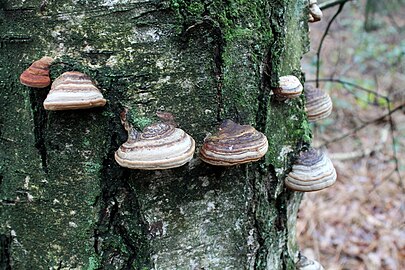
{"x":315,"y":13}
{"x":71,"y":91}
{"x":37,"y":75}
{"x":312,"y":171}
{"x":160,"y":146}
{"x":306,"y":264}
{"x":318,"y":105}
{"x":289,"y":87}
{"x":234,"y":144}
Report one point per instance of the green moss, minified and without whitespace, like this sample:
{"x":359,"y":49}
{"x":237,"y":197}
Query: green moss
{"x":93,"y":264}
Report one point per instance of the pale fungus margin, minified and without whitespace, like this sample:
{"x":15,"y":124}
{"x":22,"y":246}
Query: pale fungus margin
{"x":234,"y":144}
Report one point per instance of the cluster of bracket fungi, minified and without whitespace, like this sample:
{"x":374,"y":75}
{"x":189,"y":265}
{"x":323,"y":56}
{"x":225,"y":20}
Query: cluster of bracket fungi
{"x":70,"y":91}
{"x":164,"y":146}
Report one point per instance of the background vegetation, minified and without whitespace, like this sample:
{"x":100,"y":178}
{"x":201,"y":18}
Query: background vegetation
{"x":359,"y":223}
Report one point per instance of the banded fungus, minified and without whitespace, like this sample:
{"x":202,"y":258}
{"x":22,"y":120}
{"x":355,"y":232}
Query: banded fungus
{"x":306,"y":264}
{"x":37,"y":75}
{"x":318,"y":103}
{"x":312,"y":171}
{"x":159,"y":146}
{"x":234,"y":144}
{"x":71,"y":91}
{"x":315,"y":13}
{"x":289,"y":87}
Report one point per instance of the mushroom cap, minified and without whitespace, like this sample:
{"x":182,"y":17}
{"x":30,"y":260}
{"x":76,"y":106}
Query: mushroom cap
{"x":306,"y":264}
{"x":316,"y":12}
{"x":73,"y":90}
{"x":37,"y":75}
{"x":289,"y":87}
{"x":318,"y":103}
{"x":312,"y":171}
{"x":160,"y":146}
{"x":234,"y":144}
{"x":312,"y":2}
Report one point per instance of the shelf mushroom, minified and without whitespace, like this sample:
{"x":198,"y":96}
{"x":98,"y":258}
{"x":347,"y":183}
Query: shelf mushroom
{"x":71,"y":91}
{"x":315,"y":13}
{"x":160,"y":146}
{"x":234,"y":144}
{"x":37,"y":75}
{"x":318,"y":103}
{"x":306,"y":264}
{"x":312,"y":171}
{"x":289,"y":87}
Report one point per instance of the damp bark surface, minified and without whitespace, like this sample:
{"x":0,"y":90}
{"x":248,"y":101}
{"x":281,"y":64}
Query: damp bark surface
{"x":66,"y":204}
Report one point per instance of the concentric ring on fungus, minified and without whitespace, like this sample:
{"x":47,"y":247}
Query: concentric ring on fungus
{"x":160,"y":146}
{"x":234,"y":144}
{"x":71,"y":91}
{"x":37,"y":75}
{"x":289,"y":87}
{"x":318,"y":103}
{"x":312,"y":171}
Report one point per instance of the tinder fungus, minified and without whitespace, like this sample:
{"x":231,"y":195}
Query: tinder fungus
{"x":71,"y":91}
{"x":318,"y":103}
{"x":289,"y":87}
{"x":160,"y":146}
{"x":37,"y":75}
{"x":234,"y":144}
{"x":312,"y":171}
{"x":306,"y":264}
{"x":315,"y":13}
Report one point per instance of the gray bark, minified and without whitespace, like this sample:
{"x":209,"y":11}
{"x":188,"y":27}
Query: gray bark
{"x":66,"y":204}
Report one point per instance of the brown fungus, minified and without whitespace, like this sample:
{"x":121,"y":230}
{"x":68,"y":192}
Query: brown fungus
{"x":71,"y":91}
{"x":289,"y":87}
{"x":315,"y":13}
{"x":318,"y":103}
{"x":312,"y":171}
{"x":234,"y":144}
{"x":37,"y":75}
{"x":159,"y":146}
{"x":306,"y":264}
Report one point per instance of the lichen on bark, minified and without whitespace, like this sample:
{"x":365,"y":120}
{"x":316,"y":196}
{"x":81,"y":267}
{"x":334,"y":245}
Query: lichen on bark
{"x":66,"y":204}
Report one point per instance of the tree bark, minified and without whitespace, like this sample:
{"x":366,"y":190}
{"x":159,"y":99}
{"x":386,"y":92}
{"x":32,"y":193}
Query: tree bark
{"x":65,"y":202}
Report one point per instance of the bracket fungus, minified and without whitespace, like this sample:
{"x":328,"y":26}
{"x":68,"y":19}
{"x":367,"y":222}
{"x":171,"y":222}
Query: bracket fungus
{"x":289,"y":87}
{"x":234,"y":144}
{"x":160,"y":146}
{"x":37,"y":75}
{"x":306,"y":264}
{"x":318,"y":103}
{"x":71,"y":91}
{"x":312,"y":171}
{"x":315,"y":13}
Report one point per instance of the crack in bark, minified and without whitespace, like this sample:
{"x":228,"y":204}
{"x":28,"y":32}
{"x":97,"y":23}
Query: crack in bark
{"x":5,"y":254}
{"x":218,"y":60}
{"x":120,"y":233}
{"x":40,"y":117}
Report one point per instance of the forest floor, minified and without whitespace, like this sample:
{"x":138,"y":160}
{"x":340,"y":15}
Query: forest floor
{"x":359,"y":223}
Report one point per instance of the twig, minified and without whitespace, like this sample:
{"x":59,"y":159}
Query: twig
{"x":355,"y":154}
{"x":394,"y":150}
{"x":318,"y":53}
{"x":350,"y":84}
{"x":390,"y":112}
{"x":331,"y":3}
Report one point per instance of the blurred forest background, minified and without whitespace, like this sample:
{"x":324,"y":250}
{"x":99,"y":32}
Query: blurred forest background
{"x":359,"y":223}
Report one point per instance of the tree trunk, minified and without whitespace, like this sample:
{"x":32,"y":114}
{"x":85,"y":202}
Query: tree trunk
{"x":65,"y":202}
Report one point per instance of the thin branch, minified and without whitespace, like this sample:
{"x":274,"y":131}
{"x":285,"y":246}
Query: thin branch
{"x":350,"y":84}
{"x":394,"y":149}
{"x":318,"y":53}
{"x":331,"y":3}
{"x":390,"y":112}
